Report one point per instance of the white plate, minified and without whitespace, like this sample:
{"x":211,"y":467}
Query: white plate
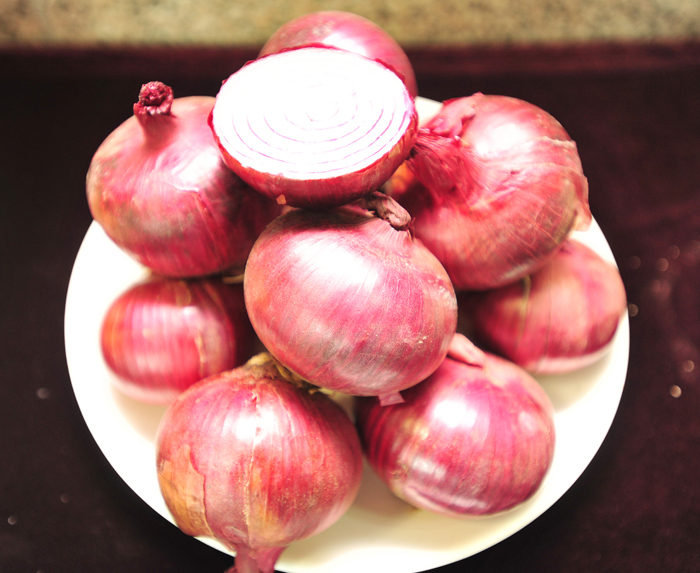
{"x":379,"y":533}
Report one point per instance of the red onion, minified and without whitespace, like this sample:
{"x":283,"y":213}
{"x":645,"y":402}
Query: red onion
{"x":499,"y":187}
{"x":163,"y":335}
{"x":251,"y":459}
{"x":470,"y":440}
{"x":345,"y":31}
{"x":559,"y":319}
{"x":314,"y":127}
{"x":160,"y":190}
{"x":348,"y":300}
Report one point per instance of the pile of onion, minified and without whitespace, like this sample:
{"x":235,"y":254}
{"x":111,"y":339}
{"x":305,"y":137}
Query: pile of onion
{"x":350,"y":289}
{"x":497,"y":187}
{"x":162,"y":335}
{"x":559,"y":319}
{"x":348,"y":300}
{"x":475,"y":438}
{"x":314,"y":127}
{"x":159,"y":188}
{"x":345,"y":31}
{"x":254,"y":459}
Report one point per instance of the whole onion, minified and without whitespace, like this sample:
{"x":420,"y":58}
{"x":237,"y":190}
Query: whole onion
{"x":348,"y":300}
{"x":498,"y":187}
{"x":559,"y":319}
{"x":472,"y":439}
{"x":314,"y":127}
{"x":162,"y":335}
{"x":251,"y":459}
{"x":346,"y":31}
{"x":159,"y":188}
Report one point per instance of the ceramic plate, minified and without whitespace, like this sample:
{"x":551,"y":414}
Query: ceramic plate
{"x":379,"y":533}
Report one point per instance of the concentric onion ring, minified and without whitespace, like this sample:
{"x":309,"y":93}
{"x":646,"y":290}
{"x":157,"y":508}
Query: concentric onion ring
{"x":314,"y":127}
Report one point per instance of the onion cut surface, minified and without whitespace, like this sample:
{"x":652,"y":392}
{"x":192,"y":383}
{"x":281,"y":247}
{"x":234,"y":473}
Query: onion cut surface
{"x":314,"y":127}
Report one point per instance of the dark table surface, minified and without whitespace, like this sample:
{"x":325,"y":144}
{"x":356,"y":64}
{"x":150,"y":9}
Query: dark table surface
{"x":63,"y":509}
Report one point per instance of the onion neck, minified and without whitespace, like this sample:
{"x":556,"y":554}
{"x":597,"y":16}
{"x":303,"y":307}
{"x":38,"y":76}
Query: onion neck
{"x":259,"y":560}
{"x":153,"y":112}
{"x":442,"y":165}
{"x":387,"y":209}
{"x":268,"y":366}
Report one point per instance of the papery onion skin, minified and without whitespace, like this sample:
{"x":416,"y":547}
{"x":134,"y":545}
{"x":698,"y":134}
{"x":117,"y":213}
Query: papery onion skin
{"x":348,"y":302}
{"x":256,"y":462}
{"x":162,"y":335}
{"x":346,"y":31}
{"x":498,"y":187}
{"x":160,"y":190}
{"x":469,"y":441}
{"x":558,"y":320}
{"x":314,"y":127}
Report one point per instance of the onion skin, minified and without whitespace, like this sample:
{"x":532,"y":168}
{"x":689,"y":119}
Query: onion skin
{"x":256,"y":462}
{"x":314,"y":127}
{"x":348,"y":302}
{"x":498,"y":187}
{"x":470,"y":440}
{"x":162,"y":335}
{"x":560,"y":319}
{"x":159,"y":188}
{"x":345,"y":31}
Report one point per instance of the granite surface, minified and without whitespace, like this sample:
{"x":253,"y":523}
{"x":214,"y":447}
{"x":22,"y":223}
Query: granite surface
{"x":412,"y":22}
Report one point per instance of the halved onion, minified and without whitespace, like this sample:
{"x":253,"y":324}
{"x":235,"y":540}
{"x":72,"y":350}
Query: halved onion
{"x":314,"y":127}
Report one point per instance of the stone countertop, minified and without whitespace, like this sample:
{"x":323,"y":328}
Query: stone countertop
{"x":50,"y":23}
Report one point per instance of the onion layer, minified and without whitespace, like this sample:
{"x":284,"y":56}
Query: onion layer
{"x":345,"y":31}
{"x":314,"y":127}
{"x":499,"y":186}
{"x":252,"y":460}
{"x":561,"y":318}
{"x":163,"y":335}
{"x":348,"y":300}
{"x":158,"y":187}
{"x":470,"y":440}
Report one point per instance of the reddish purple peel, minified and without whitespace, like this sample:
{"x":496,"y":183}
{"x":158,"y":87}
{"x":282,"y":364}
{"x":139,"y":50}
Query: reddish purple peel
{"x":469,"y":440}
{"x":163,"y":335}
{"x":314,"y":127}
{"x":345,"y":31}
{"x":349,"y":303}
{"x":255,"y":462}
{"x":498,"y":187}
{"x":558,"y":320}
{"x":159,"y":188}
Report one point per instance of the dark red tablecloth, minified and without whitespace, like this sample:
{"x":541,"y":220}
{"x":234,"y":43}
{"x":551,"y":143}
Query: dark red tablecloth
{"x":636,"y":508}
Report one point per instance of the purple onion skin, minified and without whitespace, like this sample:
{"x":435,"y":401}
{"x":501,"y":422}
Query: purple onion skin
{"x":249,"y":459}
{"x":160,"y":190}
{"x":468,"y":441}
{"x":345,"y":31}
{"x":498,"y":187}
{"x":560,"y":319}
{"x":163,"y":335}
{"x":348,"y":302}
